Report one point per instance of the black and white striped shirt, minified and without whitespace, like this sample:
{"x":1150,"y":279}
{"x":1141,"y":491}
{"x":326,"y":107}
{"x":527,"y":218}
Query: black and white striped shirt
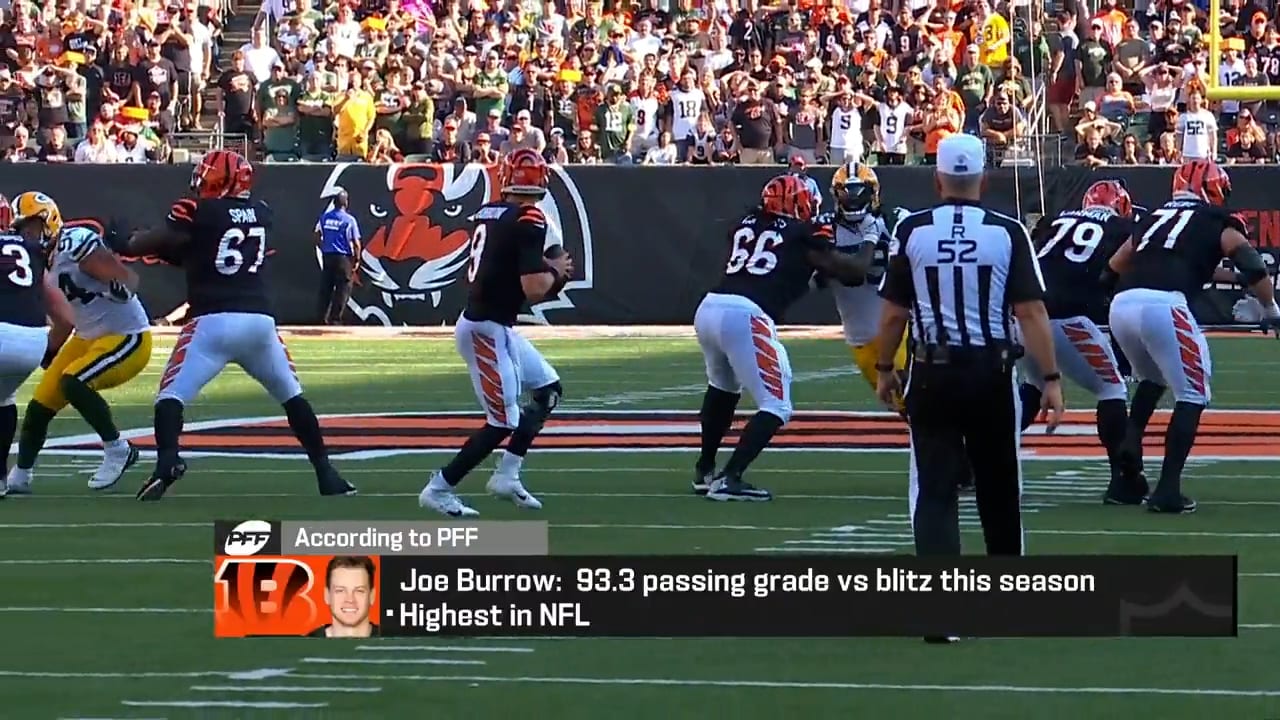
{"x":959,"y":268}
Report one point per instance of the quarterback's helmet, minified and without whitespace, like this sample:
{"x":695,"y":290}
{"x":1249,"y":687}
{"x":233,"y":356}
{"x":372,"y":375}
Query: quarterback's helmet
{"x":1204,"y":179}
{"x":856,"y":191}
{"x":34,"y":206}
{"x":1109,"y":194}
{"x":524,"y":172}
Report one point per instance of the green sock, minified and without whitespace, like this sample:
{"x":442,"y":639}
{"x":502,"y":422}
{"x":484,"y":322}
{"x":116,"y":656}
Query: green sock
{"x":92,"y":408}
{"x":35,"y":427}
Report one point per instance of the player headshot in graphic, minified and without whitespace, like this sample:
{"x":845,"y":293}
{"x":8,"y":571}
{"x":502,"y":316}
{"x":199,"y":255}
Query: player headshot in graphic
{"x":349,"y":587}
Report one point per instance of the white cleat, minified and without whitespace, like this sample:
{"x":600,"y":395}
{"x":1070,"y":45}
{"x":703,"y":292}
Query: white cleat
{"x":510,"y":488}
{"x":115,"y":462}
{"x":19,"y":481}
{"x":444,"y":501}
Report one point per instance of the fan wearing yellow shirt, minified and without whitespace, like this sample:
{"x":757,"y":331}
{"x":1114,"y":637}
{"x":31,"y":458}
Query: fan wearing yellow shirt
{"x":353,"y":116}
{"x":990,"y":32}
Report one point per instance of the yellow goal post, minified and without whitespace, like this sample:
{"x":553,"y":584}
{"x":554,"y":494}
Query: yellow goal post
{"x":1222,"y":92}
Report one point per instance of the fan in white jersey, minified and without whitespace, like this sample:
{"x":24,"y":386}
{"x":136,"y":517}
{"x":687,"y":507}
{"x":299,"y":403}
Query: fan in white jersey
{"x":1197,"y":129}
{"x":110,"y":346}
{"x":846,"y":143}
{"x":861,"y":228}
{"x":687,"y":103}
{"x":895,"y":115}
{"x":644,"y":103}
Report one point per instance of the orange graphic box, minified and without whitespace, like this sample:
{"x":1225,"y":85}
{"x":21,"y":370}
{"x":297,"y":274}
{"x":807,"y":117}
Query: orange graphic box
{"x":274,"y":595}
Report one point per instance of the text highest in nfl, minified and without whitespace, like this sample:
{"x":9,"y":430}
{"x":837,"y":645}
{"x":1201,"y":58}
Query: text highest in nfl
{"x":413,"y":617}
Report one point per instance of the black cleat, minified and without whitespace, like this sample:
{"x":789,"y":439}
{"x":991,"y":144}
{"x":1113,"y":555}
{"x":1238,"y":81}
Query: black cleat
{"x":726,"y":489}
{"x":155,"y":486}
{"x":1174,"y":505}
{"x":702,"y":481}
{"x":333,"y":484}
{"x":1116,"y":497}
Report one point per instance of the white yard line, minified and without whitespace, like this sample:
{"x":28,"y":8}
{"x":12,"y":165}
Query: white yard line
{"x":389,"y":661}
{"x":444,"y":648}
{"x":284,"y":689}
{"x":221,"y":704}
{"x":774,"y":684}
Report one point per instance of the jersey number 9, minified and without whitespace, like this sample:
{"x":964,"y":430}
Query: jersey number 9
{"x":753,"y":252}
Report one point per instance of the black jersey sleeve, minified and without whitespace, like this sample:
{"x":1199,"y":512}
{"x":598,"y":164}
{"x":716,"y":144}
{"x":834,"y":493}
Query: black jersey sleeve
{"x":182,"y":216}
{"x":1025,"y":283}
{"x":529,"y":231}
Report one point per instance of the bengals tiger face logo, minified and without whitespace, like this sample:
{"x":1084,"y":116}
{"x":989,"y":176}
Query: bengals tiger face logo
{"x":265,"y":596}
{"x":415,"y":226}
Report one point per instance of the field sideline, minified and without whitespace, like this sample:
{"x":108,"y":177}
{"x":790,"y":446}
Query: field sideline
{"x":107,"y":604}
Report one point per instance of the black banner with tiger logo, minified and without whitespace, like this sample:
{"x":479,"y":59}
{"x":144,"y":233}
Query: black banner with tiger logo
{"x":647,"y":242}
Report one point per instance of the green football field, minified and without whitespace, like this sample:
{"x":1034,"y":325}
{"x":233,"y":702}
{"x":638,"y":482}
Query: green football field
{"x":106,"y":607}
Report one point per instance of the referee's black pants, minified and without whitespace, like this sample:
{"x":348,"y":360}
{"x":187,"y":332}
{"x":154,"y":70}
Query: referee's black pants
{"x":335,"y":287}
{"x":963,"y":414}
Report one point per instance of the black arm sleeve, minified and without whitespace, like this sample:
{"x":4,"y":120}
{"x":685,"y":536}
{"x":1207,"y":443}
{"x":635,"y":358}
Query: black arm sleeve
{"x":897,"y":285}
{"x":1025,"y":283}
{"x":530,"y":236}
{"x":1249,"y":263}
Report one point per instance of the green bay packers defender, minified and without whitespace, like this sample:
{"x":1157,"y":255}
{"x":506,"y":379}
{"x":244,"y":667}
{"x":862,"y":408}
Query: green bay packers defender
{"x":110,"y":346}
{"x":863,"y":228}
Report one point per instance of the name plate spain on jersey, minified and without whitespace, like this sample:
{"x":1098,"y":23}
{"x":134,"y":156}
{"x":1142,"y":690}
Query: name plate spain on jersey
{"x":376,"y":578}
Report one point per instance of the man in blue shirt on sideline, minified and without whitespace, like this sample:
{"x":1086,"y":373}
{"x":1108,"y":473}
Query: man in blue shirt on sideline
{"x":338,"y":237}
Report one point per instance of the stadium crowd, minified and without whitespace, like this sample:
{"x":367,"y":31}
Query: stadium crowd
{"x":590,"y":82}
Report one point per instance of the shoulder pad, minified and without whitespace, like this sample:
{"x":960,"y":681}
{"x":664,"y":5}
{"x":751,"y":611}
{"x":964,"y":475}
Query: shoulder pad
{"x":183,"y":212}
{"x":531,"y":215}
{"x":1236,"y":222}
{"x":77,"y":242}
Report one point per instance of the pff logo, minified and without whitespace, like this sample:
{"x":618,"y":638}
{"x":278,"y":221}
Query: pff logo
{"x":246,"y":538}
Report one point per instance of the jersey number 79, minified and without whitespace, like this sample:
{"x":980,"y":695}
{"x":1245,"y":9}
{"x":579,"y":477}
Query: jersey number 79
{"x":1083,"y":238}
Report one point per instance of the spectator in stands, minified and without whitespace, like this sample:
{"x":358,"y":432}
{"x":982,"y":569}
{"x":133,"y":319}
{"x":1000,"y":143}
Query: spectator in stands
{"x":384,"y":148}
{"x":451,"y":148}
{"x":1245,"y":148}
{"x":55,"y":148}
{"x":132,"y":149}
{"x":482,"y":150}
{"x":1093,"y":152}
{"x":160,"y":119}
{"x":353,"y":119}
{"x":1247,"y":125}
{"x":1162,"y":82}
{"x":154,"y":73}
{"x":1132,"y":152}
{"x":1017,"y":86}
{"x":975,"y":83}
{"x":1063,"y":71}
{"x":756,"y":123}
{"x":727,"y":151}
{"x":664,"y":153}
{"x":1166,"y":150}
{"x":465,"y":120}
{"x":1197,"y":129}
{"x":586,"y":152}
{"x":1115,"y":103}
{"x":1132,"y":56}
{"x":613,"y":126}
{"x":315,"y":121}
{"x":1001,"y":125}
{"x":1093,"y":63}
{"x":556,"y":152}
{"x":942,"y":120}
{"x":701,"y":145}
{"x":20,"y":151}
{"x":96,"y":148}
{"x":259,"y":57}
{"x":280,"y":127}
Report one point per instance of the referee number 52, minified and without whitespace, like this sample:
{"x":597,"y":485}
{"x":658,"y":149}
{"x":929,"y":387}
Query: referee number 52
{"x":606,"y":580}
{"x":957,"y":250}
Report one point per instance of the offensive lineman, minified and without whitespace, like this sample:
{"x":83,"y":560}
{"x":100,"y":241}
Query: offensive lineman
{"x":111,"y":345}
{"x":1073,"y":250}
{"x":26,"y":301}
{"x":862,"y":229}
{"x":775,"y":250}
{"x":1173,"y":253}
{"x":508,"y":269}
{"x":220,"y":240}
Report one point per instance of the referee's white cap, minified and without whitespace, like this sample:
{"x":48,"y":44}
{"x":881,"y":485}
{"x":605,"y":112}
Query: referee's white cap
{"x":961,"y":154}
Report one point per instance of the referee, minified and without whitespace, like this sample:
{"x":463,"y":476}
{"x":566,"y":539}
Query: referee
{"x":955,"y":271}
{"x":338,"y":237}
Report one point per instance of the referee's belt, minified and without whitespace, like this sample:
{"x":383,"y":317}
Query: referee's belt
{"x":1001,"y":354}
